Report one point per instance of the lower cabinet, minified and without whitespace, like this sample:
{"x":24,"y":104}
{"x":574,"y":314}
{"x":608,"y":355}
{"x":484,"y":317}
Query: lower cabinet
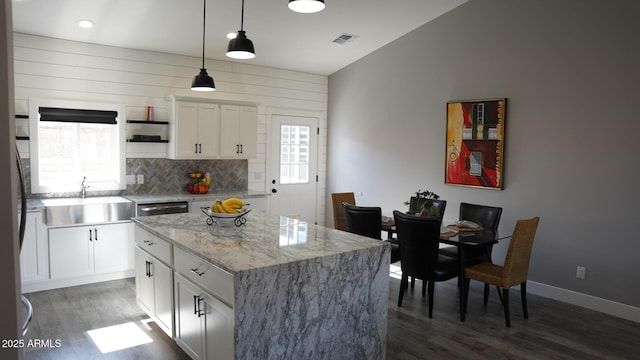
{"x":204,"y":325}
{"x":154,"y":285}
{"x":90,"y":249}
{"x":34,"y":262}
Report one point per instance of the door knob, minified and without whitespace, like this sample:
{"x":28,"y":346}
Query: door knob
{"x":274,"y":191}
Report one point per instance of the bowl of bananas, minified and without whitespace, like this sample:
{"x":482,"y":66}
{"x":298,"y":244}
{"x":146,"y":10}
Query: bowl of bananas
{"x":230,"y":210}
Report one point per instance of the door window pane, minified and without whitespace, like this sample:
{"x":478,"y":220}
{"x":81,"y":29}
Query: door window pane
{"x":294,"y":154}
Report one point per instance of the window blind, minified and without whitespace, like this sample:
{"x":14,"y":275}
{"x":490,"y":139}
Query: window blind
{"x":78,"y":115}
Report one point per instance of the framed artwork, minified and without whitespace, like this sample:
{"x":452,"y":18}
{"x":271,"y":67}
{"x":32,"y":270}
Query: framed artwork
{"x":475,"y":143}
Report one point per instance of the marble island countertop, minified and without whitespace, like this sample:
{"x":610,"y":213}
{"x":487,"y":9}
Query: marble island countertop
{"x":264,"y":240}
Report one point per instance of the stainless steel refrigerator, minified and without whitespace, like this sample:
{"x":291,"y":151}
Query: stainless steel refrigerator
{"x":23,"y":221}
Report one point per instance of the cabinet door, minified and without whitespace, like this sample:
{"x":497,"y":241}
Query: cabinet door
{"x":162,"y":276}
{"x":248,"y":132}
{"x":71,"y":251}
{"x":218,"y":329}
{"x":229,"y":130}
{"x":144,"y":282}
{"x":113,"y":249}
{"x":208,"y":130}
{"x":185,"y":131}
{"x":33,"y":256}
{"x":189,"y":332}
{"x":238,"y":131}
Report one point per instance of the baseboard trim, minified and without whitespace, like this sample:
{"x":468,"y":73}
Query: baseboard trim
{"x":587,"y":301}
{"x":83,"y":280}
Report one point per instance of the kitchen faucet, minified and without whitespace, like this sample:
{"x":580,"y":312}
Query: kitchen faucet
{"x":84,"y":187}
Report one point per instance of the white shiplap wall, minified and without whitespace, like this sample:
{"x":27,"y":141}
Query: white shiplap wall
{"x":54,"y":68}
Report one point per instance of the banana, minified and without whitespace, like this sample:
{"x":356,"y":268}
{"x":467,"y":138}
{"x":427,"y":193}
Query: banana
{"x":228,"y":209}
{"x":216,"y":207}
{"x":234,"y":202}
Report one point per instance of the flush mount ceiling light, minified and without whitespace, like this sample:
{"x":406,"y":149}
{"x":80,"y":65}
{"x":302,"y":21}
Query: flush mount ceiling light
{"x":85,"y":24}
{"x":241,"y":47}
{"x":306,"y":6}
{"x":202,"y":81}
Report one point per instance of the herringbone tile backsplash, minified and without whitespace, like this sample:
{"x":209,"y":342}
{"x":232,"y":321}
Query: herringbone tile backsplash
{"x":164,"y":176}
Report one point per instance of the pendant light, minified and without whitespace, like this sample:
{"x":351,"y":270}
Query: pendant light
{"x":241,"y":47}
{"x":202,"y":81}
{"x":306,"y":6}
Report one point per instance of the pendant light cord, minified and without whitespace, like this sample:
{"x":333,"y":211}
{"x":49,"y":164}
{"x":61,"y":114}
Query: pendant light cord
{"x":242,"y":17}
{"x":204,"y":19}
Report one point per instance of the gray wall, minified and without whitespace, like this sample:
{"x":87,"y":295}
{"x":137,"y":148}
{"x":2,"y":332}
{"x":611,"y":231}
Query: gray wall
{"x":570,"y":72}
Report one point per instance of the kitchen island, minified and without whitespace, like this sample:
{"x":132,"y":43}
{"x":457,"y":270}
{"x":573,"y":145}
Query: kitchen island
{"x":294,"y":290}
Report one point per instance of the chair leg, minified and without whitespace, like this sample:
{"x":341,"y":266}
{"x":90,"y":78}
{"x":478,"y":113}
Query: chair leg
{"x":465,"y":296}
{"x":523,"y":295}
{"x":486,"y":293}
{"x":505,"y":302}
{"x":424,"y":288}
{"x":499,"y":295}
{"x":431,"y":288}
{"x":404,"y":283}
{"x":413,"y":282}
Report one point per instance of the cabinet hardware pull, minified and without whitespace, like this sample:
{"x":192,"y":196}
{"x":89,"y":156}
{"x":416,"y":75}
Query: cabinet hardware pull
{"x":195,"y":271}
{"x":90,"y":235}
{"x":196,"y":150}
{"x":199,"y":148}
{"x":241,"y":152}
{"x":95,"y":234}
{"x":148,"y":242}
{"x":195,"y":305}
{"x":200,"y":311}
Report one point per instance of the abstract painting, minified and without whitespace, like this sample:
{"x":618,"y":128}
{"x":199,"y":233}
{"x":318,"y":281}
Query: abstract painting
{"x":475,"y":143}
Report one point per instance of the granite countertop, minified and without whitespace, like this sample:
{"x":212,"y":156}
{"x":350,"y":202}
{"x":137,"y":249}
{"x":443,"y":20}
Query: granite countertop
{"x":181,"y":196}
{"x":264,"y":241}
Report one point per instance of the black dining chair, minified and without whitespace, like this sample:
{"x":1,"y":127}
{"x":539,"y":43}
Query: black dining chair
{"x":486,"y":216}
{"x":367,"y":221}
{"x":419,"y":239}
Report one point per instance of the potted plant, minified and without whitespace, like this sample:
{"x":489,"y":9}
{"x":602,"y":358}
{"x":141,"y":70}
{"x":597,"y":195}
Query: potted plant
{"x":422,"y":203}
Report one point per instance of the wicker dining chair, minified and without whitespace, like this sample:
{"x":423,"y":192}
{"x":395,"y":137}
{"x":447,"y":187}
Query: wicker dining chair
{"x":513,"y":272}
{"x":338,"y":213}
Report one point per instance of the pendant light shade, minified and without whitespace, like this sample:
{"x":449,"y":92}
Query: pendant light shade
{"x":306,"y":6}
{"x":241,"y":47}
{"x":202,"y":81}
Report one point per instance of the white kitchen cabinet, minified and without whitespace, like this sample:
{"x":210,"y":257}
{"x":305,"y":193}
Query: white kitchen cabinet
{"x":204,"y":325}
{"x":34,"y":263}
{"x":238,"y":131}
{"x":90,"y":249}
{"x":194,"y":130}
{"x":154,"y":289}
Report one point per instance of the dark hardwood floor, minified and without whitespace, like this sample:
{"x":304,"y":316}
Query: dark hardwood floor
{"x":554,"y":330}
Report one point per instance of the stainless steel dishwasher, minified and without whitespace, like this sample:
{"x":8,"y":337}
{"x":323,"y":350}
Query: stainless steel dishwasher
{"x":162,"y":208}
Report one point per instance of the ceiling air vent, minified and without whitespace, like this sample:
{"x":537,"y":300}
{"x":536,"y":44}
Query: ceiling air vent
{"x":344,"y":38}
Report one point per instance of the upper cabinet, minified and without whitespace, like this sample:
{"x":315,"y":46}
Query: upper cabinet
{"x":239,"y":129}
{"x":206,"y":130}
{"x":195,"y":130}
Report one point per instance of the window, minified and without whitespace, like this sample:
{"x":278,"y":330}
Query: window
{"x":294,"y":154}
{"x":74,"y":140}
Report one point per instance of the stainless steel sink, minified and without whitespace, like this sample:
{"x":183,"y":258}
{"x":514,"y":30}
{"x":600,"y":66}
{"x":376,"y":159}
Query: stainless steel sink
{"x":71,"y":211}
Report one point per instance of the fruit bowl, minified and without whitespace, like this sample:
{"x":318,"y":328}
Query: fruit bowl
{"x":213,"y":218}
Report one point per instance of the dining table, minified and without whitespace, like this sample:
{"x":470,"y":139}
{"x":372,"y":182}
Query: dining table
{"x":463,"y":239}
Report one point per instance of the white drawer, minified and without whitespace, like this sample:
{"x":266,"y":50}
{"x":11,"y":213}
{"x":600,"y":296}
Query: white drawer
{"x":152,"y":244}
{"x":213,"y":279}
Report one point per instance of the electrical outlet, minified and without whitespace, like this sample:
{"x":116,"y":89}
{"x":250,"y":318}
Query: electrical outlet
{"x":581,"y":271}
{"x":140,"y":179}
{"x":131,"y":179}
